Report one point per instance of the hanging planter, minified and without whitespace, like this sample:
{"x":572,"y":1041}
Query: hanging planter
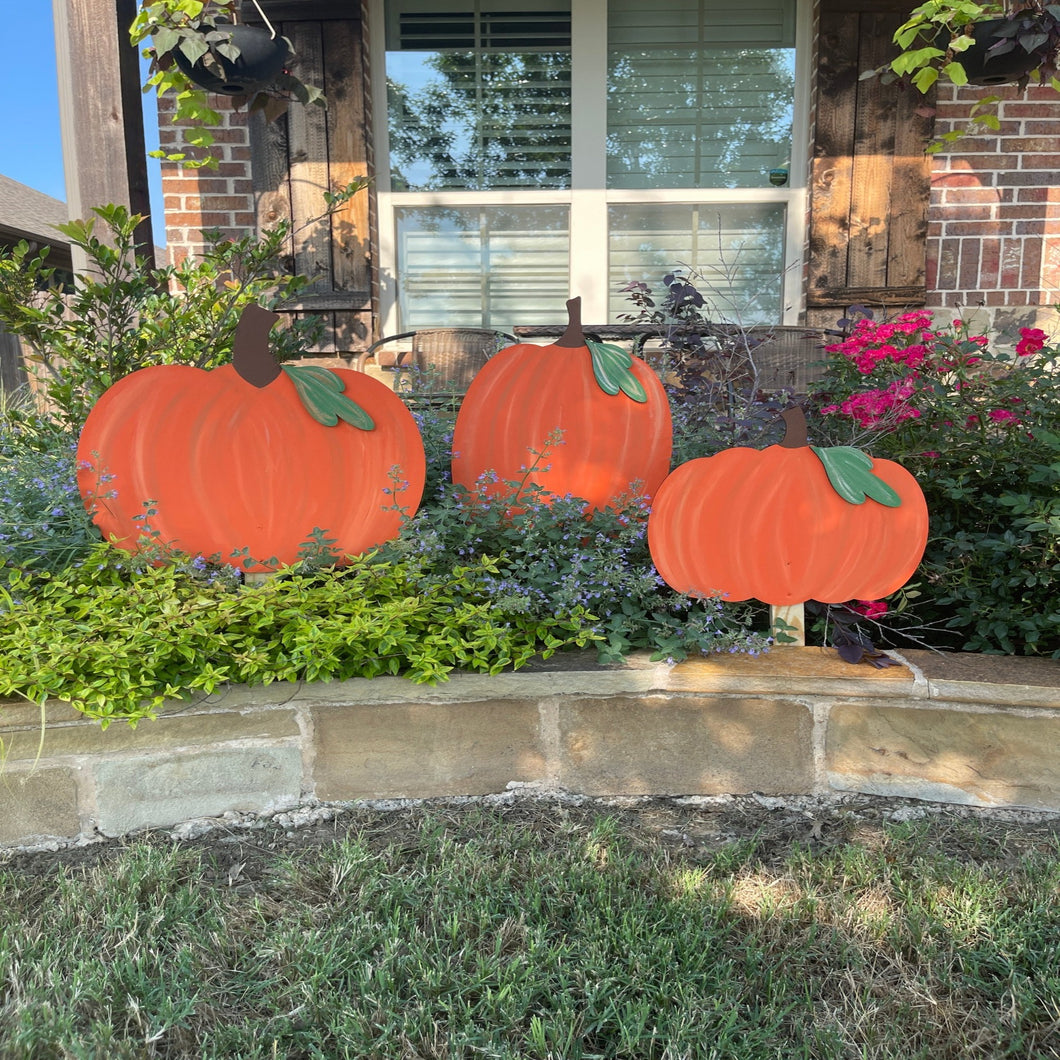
{"x":262,"y":57}
{"x":200,"y":48}
{"x":986,"y":44}
{"x":995,"y":58}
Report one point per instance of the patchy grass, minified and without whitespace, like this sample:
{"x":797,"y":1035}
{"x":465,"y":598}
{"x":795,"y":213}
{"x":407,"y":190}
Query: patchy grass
{"x":543,"y":931}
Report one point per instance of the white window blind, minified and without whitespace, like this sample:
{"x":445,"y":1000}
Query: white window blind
{"x":700,"y":95}
{"x":492,"y":265}
{"x":479,"y":95}
{"x":736,"y":250}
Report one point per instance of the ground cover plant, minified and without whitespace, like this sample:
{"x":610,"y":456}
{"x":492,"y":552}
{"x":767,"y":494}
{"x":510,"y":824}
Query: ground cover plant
{"x":658,"y":930}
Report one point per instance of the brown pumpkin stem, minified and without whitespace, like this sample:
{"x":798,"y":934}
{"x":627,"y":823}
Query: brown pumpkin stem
{"x":573,"y":338}
{"x":250,"y":352}
{"x":795,"y":434}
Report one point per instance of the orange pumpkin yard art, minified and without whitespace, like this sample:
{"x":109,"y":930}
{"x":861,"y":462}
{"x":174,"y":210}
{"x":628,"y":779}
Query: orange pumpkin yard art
{"x":609,"y":407}
{"x":248,"y":459}
{"x":788,"y":523}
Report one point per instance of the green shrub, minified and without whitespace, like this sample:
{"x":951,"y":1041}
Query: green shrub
{"x":124,"y":314}
{"x":980,"y":430}
{"x":115,"y":638}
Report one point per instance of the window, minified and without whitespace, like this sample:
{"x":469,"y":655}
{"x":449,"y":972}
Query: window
{"x":530,"y":149}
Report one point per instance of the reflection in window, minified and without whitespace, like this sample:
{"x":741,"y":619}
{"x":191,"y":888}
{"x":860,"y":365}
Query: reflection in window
{"x":737,"y":251}
{"x":479,"y":98}
{"x":699,"y":96}
{"x":489,"y":266}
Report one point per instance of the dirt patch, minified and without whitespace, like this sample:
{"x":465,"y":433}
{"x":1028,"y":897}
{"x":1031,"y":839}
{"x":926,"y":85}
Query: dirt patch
{"x":240,"y":849}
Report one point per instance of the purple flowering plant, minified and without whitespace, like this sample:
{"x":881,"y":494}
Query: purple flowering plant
{"x":553,"y":557}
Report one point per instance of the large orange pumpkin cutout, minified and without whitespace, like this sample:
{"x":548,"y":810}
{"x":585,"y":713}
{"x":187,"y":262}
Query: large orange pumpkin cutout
{"x":611,"y":408}
{"x":788,"y":523}
{"x":250,"y":456}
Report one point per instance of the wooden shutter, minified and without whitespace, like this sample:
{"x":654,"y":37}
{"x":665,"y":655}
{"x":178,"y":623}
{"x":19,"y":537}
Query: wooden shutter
{"x":870,"y":178}
{"x":313,"y":150}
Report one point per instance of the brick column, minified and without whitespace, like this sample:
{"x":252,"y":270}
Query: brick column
{"x":195,"y":199}
{"x":994,"y":222}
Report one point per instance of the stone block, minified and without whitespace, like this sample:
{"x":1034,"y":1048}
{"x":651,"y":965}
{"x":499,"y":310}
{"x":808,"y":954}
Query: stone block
{"x":959,"y":756}
{"x":38,"y":804}
{"x":685,"y":746}
{"x":419,"y":750}
{"x":165,"y":733}
{"x":789,"y":671}
{"x":154,"y":792}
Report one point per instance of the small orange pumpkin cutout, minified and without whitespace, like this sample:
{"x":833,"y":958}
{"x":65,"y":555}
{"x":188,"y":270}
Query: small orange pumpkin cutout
{"x":250,"y":456}
{"x":611,"y":408}
{"x":788,"y":523}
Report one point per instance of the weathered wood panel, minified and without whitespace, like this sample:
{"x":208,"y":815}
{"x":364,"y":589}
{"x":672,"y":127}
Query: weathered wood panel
{"x":312,"y":151}
{"x":870,"y":178}
{"x":99,"y":102}
{"x":12,"y":367}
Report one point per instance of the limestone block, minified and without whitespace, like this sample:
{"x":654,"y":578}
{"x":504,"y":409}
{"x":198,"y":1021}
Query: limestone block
{"x":950,"y":755}
{"x":151,"y":792}
{"x":418,"y":750}
{"x":790,"y":671}
{"x":164,"y":733}
{"x":685,"y":745}
{"x":38,"y":804}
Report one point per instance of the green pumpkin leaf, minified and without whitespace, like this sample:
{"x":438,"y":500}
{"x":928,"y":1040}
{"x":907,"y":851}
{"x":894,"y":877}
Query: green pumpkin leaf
{"x":613,"y":368}
{"x":850,"y":472}
{"x":321,"y":393}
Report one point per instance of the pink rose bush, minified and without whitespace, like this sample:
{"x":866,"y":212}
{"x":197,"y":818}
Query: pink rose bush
{"x":978,"y":423}
{"x":911,"y":360}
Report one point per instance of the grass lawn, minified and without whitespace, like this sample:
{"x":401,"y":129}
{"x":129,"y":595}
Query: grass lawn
{"x":652,"y":929}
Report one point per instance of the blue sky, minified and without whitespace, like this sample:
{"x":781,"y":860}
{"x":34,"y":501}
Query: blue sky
{"x":32,"y":149}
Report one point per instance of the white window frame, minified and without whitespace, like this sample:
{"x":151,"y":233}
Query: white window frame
{"x":588,"y":198}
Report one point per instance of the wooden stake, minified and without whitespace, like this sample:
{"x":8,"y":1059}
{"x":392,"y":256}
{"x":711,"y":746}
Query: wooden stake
{"x":793,"y":615}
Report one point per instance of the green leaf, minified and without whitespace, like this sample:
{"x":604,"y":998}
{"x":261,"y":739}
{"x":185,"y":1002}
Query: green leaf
{"x":321,"y":392}
{"x":193,"y":48}
{"x":956,"y":73}
{"x":613,"y":368}
{"x":850,"y":472}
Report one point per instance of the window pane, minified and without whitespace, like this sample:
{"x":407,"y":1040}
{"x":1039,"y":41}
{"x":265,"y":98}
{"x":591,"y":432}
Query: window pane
{"x":491,"y":266}
{"x":737,"y":250}
{"x":478,"y":95}
{"x":700,"y":92}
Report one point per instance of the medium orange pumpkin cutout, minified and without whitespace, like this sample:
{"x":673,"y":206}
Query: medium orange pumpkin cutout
{"x":252,"y":455}
{"x":610,"y":406}
{"x":788,"y":523}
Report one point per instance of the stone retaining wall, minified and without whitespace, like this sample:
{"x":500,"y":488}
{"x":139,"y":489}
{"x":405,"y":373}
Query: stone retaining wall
{"x":796,"y":721}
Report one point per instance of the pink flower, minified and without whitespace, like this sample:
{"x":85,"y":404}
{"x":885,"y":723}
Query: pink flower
{"x":1003,"y":416}
{"x":1032,"y":340}
{"x":869,"y":608}
{"x":931,"y":454}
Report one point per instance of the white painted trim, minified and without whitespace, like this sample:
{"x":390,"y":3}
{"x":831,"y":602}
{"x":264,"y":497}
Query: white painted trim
{"x":384,"y":197}
{"x":589,"y":197}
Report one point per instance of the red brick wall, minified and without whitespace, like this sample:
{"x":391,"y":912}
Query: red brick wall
{"x":994,"y":231}
{"x":195,"y":199}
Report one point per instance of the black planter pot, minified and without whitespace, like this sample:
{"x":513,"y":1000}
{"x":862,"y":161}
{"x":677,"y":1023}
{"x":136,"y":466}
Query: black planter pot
{"x":994,"y":69}
{"x":261,"y":58}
